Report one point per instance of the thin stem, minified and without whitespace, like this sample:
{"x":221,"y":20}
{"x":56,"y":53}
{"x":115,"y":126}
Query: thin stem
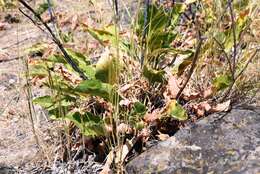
{"x":146,"y":11}
{"x":193,"y":65}
{"x":234,"y":34}
{"x":227,"y":57}
{"x":56,"y":40}
{"x":239,"y":74}
{"x":247,"y":63}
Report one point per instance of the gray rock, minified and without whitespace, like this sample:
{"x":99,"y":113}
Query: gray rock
{"x":7,"y":170}
{"x":221,"y":143}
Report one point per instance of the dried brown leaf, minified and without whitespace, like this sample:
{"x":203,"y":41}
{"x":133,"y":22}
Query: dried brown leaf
{"x":221,"y":107}
{"x":125,"y":102}
{"x":162,"y":136}
{"x":173,"y":86}
{"x":4,"y":26}
{"x":208,"y":92}
{"x":151,"y":117}
{"x":74,"y":22}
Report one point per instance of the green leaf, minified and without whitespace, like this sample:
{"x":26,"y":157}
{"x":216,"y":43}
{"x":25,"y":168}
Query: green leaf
{"x":58,"y":113}
{"x":139,"y":108}
{"x":56,"y":58}
{"x":79,"y":57}
{"x":223,"y":81}
{"x":182,"y":62}
{"x":107,"y":36}
{"x":81,"y":60}
{"x":89,"y":124}
{"x":39,"y":70}
{"x":153,"y":75}
{"x":176,"y":111}
{"x":52,"y":102}
{"x":36,"y":49}
{"x":44,"y":101}
{"x":42,"y":8}
{"x":60,"y":85}
{"x":220,"y":37}
{"x":97,"y":88}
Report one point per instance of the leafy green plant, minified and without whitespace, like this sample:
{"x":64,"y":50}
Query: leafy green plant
{"x":149,"y":70}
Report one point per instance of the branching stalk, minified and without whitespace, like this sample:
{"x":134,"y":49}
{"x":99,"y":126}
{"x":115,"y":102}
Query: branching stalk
{"x":55,"y":39}
{"x":238,"y":75}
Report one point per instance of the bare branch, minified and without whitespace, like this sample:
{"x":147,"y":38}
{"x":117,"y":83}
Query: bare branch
{"x":55,"y":39}
{"x":34,"y":22}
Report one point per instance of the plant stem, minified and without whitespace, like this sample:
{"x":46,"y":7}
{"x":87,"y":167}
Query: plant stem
{"x":193,"y":65}
{"x":234,"y":35}
{"x":55,"y":39}
{"x":227,"y":57}
{"x":146,"y":11}
{"x":239,"y":74}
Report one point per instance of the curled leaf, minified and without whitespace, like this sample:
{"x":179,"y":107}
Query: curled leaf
{"x":176,"y":111}
{"x":153,"y":75}
{"x":221,"y":107}
{"x":221,"y":82}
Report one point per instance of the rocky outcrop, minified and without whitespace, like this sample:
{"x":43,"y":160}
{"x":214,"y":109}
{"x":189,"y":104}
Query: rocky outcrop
{"x":220,"y":143}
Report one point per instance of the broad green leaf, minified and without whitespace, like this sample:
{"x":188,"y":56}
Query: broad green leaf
{"x":58,"y":113}
{"x":97,"y":88}
{"x":90,"y":71}
{"x":60,"y":85}
{"x":56,"y":58}
{"x":223,"y":81}
{"x":176,"y":111}
{"x":39,"y":70}
{"x":153,"y":75}
{"x":82,"y":61}
{"x":161,"y":40}
{"x":107,"y":36}
{"x":52,"y":102}
{"x":89,"y":124}
{"x":79,"y":57}
{"x":139,"y":108}
{"x":44,"y":101}
{"x":220,"y":37}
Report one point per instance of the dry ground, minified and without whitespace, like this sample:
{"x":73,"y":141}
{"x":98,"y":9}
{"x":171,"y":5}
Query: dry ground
{"x":18,"y":147}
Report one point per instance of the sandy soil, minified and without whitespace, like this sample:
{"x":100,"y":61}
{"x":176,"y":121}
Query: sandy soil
{"x":18,"y":147}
